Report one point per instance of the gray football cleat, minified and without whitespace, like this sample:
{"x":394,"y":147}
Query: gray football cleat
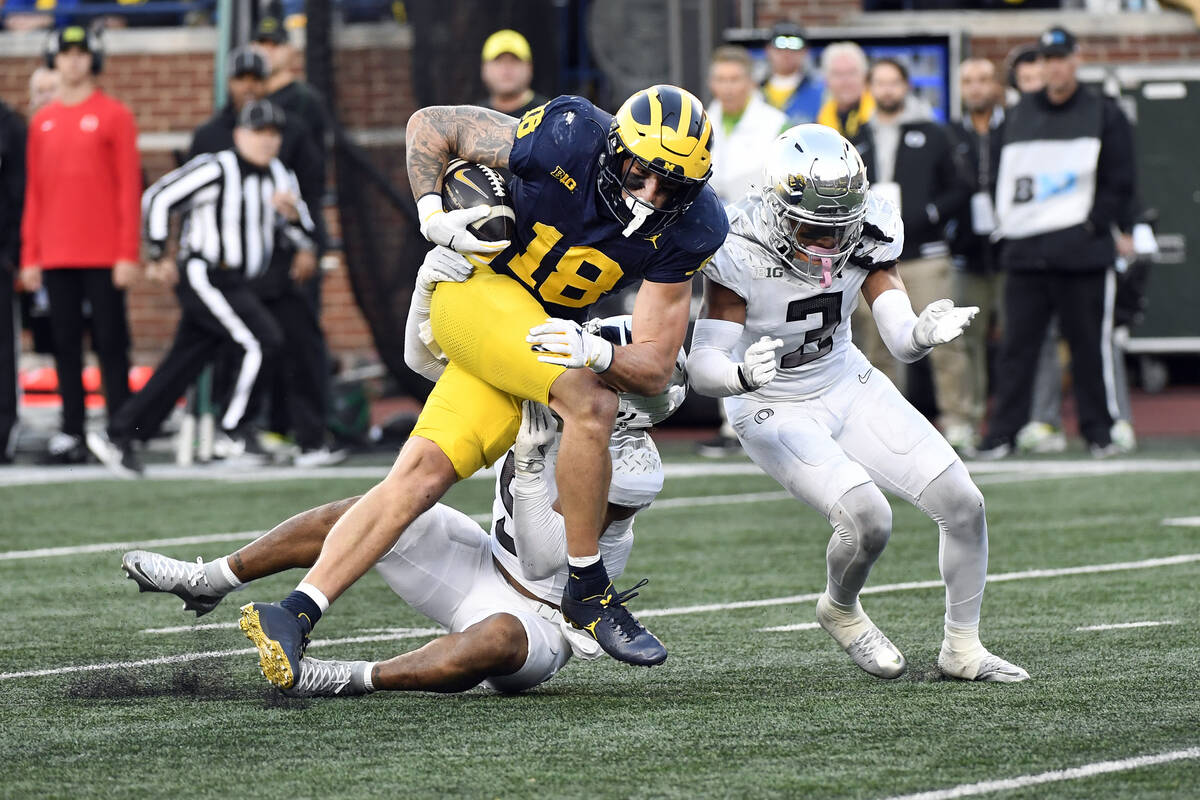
{"x":329,"y":679}
{"x":860,"y":638}
{"x":154,"y":572}
{"x":979,"y":665}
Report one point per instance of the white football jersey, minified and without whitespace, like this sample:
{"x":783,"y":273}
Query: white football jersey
{"x":637,"y":478}
{"x":814,"y":323}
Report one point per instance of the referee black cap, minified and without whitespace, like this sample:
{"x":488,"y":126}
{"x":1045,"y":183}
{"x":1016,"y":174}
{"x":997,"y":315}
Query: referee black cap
{"x":259,"y":114}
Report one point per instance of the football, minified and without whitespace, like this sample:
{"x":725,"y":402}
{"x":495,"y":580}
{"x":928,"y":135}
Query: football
{"x":468,"y":185}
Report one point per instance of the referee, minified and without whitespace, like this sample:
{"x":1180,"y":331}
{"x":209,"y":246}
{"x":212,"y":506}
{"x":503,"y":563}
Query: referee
{"x":236,"y":202}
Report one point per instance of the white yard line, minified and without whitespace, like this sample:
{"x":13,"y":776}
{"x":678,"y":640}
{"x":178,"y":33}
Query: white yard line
{"x":1121,"y":625}
{"x":1019,"y":469}
{"x":246,"y":536}
{"x":1182,"y":522}
{"x":407,"y":633}
{"x":1054,"y":776}
{"x":207,"y":626}
{"x":803,"y":626}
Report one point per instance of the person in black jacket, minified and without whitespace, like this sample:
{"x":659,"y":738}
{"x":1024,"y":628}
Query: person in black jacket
{"x":978,"y":280}
{"x":1067,"y":174}
{"x":910,"y":159}
{"x":12,"y":199}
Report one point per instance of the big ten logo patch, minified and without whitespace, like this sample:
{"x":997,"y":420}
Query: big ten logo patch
{"x":762,"y":273}
{"x":562,"y":177}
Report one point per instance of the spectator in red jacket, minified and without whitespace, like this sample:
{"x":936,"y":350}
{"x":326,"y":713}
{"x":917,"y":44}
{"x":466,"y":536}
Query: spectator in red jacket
{"x":79,"y":234}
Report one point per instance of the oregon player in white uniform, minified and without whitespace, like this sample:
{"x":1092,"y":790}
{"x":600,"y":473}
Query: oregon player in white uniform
{"x":774,"y":340}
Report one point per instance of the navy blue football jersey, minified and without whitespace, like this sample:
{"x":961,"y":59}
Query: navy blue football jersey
{"x":568,"y":250}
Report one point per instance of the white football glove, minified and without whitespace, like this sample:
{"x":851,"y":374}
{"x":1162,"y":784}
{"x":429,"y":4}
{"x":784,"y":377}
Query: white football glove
{"x":942,"y":322}
{"x":443,"y":265}
{"x":882,"y":234}
{"x":758,"y":367}
{"x":570,"y":345}
{"x":535,"y":437}
{"x":449,"y":228}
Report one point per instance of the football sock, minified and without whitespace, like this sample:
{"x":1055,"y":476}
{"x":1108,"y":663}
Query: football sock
{"x":220,"y":577}
{"x":364,"y":676}
{"x":962,"y":638}
{"x":588,"y":577}
{"x":307,"y":602}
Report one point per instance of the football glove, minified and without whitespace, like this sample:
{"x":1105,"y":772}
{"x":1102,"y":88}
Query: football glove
{"x":758,"y":367}
{"x":942,"y":322}
{"x":449,"y":228}
{"x":882,"y":235}
{"x":534,"y":438}
{"x":443,"y":265}
{"x":569,"y":345}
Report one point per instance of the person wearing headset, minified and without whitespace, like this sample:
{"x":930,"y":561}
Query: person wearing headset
{"x":80,"y":232}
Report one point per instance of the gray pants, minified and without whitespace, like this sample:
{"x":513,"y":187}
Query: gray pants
{"x":985,"y":290}
{"x":1047,"y":385}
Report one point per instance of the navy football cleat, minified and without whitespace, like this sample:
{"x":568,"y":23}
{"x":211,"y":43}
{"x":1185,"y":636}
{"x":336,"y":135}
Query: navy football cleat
{"x":280,"y":638}
{"x":612,"y":625}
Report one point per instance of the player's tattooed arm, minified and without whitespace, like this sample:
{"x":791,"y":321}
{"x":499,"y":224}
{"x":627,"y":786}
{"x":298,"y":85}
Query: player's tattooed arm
{"x":437,"y":134}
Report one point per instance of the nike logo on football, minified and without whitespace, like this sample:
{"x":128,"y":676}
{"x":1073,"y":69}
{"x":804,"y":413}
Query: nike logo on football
{"x":865,"y":376}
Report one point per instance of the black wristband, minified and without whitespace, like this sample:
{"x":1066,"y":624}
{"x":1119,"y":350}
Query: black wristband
{"x":742,"y":377}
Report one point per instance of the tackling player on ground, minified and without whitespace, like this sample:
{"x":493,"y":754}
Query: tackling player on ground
{"x":774,"y":340}
{"x":600,"y":202}
{"x":496,"y":595}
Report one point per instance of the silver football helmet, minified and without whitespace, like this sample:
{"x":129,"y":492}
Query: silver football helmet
{"x":814,"y":200}
{"x":636,"y":411}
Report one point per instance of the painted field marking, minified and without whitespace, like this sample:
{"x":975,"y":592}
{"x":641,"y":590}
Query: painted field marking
{"x":659,"y":612}
{"x":207,"y":626}
{"x":246,"y":536}
{"x":408,"y":633}
{"x":803,"y":626}
{"x":1183,"y":522}
{"x":1054,"y":776}
{"x":1122,"y":625}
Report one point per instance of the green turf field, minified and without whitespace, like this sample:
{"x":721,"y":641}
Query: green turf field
{"x":734,"y":712}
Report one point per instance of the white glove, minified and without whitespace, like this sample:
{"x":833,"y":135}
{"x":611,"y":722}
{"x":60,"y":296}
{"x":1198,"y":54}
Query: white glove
{"x":534,"y":438}
{"x":443,"y":265}
{"x":449,"y":228}
{"x":942,"y":322}
{"x":570,"y":345}
{"x":758,"y":367}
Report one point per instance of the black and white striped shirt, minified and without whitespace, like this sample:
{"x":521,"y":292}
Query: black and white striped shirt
{"x":229,"y":221}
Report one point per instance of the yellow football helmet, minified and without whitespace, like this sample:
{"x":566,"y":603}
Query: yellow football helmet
{"x":665,"y":131}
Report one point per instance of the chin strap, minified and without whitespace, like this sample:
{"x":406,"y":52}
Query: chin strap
{"x":640,"y":214}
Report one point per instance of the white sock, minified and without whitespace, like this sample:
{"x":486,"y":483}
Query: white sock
{"x":583,"y":561}
{"x":314,"y":594}
{"x":366,"y":676}
{"x":962,"y":638}
{"x":227,"y":572}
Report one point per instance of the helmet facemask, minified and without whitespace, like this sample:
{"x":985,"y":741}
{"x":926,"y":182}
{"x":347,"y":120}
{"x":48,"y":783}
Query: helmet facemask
{"x":618,"y":180}
{"x":814,"y":201}
{"x":635,"y":411}
{"x":816,"y":248}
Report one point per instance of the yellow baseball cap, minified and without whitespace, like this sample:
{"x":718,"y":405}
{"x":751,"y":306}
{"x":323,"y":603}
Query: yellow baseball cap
{"x":506,"y":41}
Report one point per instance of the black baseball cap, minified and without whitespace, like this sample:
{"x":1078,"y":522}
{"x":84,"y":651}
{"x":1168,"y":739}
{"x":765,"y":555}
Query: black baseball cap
{"x":259,"y":114}
{"x":270,"y":29}
{"x":1057,"y":42}
{"x":787,"y":36}
{"x":247,"y":61}
{"x":74,"y":36}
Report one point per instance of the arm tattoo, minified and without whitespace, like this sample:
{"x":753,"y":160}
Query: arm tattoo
{"x":439,"y":133}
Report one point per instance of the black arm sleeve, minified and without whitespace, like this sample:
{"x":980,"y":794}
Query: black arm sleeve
{"x":1116,"y":182}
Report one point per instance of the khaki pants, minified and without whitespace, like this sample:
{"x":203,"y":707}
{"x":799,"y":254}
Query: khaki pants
{"x":926,"y":279}
{"x":985,"y":290}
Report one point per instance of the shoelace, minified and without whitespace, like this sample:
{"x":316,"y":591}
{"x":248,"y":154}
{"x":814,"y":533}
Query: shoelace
{"x":628,"y":627}
{"x":869,"y":641}
{"x":171,"y":570}
{"x":323,"y":675}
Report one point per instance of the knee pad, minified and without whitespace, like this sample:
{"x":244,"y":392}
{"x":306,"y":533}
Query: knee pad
{"x":864,"y":513}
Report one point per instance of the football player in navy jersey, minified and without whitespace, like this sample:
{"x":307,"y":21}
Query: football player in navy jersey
{"x":601,"y":202}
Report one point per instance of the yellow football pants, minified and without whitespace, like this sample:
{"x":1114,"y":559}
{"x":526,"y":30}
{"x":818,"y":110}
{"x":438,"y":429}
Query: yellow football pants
{"x":474,"y":410}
